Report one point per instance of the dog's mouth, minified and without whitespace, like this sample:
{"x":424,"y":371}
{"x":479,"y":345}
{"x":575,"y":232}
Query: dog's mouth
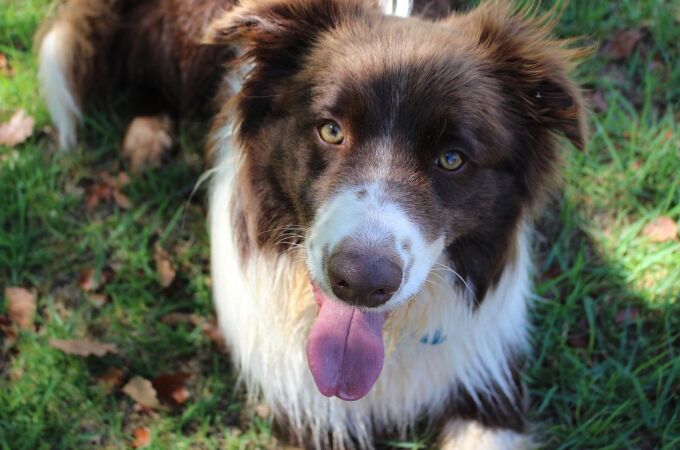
{"x":345,"y":350}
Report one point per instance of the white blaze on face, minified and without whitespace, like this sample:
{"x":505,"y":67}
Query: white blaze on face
{"x":370,"y":219}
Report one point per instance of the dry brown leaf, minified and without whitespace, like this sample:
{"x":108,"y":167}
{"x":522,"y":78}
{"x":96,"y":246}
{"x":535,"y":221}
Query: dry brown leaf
{"x":622,"y":43}
{"x":87,"y":280}
{"x":141,"y":390}
{"x":122,"y":200}
{"x":171,"y":387}
{"x":578,"y":341}
{"x":108,"y":188}
{"x":20,"y":306}
{"x":164,"y":269}
{"x":262,"y":410}
{"x":98,"y":300}
{"x":597,"y":100}
{"x":17,"y":129}
{"x":177,"y":318}
{"x":5,"y":68}
{"x":627,"y":315}
{"x":111,"y":379}
{"x":661,"y":229}
{"x":142,"y":437}
{"x":83,"y":347}
{"x":16,"y":373}
{"x":7,"y":329}
{"x":212,"y":331}
{"x":115,"y":182}
{"x":96,"y":193}
{"x":123,"y":179}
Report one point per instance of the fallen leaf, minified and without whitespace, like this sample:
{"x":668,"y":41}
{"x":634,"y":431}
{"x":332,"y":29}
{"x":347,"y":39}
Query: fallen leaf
{"x":262,"y":410}
{"x":108,"y":188}
{"x":661,"y":229}
{"x":141,"y":390}
{"x":626,"y":315}
{"x":117,"y":182}
{"x":83,"y":347}
{"x":622,"y":43}
{"x":212,"y":331}
{"x":123,"y":179}
{"x":171,"y":387}
{"x":87,"y":280}
{"x":5,"y":68}
{"x":122,"y":200}
{"x":177,"y":318}
{"x":7,"y":329}
{"x":138,"y":408}
{"x":96,"y":193}
{"x":142,"y":437}
{"x":597,"y":100}
{"x":15,"y":373}
{"x":578,"y":341}
{"x":579,"y":334}
{"x":111,"y":379}
{"x":17,"y":129}
{"x":20,"y":306}
{"x":166,"y":273}
{"x":98,"y":300}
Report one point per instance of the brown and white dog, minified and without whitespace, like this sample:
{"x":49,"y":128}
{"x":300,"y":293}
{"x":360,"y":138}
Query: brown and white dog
{"x":374,"y":185}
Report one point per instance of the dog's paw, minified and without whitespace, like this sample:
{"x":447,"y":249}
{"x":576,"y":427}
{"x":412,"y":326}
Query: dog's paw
{"x":147,"y":140}
{"x":470,"y":435}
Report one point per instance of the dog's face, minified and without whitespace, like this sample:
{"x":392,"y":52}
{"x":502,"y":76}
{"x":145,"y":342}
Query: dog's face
{"x":396,"y":144}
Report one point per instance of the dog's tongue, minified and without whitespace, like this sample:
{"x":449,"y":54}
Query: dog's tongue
{"x":345,"y":349}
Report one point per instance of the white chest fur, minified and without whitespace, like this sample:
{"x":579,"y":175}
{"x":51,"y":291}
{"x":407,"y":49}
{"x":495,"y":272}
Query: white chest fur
{"x":433,"y":345}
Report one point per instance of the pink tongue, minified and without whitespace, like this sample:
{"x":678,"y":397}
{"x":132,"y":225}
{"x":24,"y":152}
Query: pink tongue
{"x":345,"y":349}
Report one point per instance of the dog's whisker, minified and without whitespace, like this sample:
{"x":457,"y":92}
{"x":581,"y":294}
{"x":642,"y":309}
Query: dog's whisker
{"x":290,"y":243}
{"x":465,"y":283}
{"x":286,"y":228}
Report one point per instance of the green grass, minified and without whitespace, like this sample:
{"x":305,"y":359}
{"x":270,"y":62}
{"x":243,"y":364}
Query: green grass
{"x":599,"y":378}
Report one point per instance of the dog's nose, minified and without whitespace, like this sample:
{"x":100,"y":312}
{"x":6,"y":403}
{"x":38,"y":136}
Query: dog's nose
{"x":362,"y":279}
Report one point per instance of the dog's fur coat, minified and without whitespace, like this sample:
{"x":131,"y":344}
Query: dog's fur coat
{"x":490,"y":82}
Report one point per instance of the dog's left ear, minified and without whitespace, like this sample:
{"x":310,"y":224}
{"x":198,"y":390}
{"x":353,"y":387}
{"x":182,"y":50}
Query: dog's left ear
{"x":533,"y":66}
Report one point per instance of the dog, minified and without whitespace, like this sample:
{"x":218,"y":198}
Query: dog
{"x":374,"y":182}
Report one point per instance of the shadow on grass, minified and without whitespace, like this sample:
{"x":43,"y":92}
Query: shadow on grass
{"x":605,"y":368}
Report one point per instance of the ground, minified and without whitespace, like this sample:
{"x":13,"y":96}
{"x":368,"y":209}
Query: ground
{"x":605,"y":370}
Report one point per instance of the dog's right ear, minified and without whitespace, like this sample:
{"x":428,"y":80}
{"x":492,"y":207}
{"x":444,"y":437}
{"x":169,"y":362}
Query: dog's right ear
{"x":273,"y":37}
{"x":279,"y":29}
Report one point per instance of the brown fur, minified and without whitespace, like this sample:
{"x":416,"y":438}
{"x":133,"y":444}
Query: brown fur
{"x":93,"y":24}
{"x":149,"y":50}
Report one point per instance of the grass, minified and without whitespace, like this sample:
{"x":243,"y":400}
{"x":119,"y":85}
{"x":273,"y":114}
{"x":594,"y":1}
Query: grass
{"x":605,"y":372}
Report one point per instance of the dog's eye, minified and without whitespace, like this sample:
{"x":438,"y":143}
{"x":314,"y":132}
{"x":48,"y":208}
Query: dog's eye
{"x":450,"y":160}
{"x":331,"y":133}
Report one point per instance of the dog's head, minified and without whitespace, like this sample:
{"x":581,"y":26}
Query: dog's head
{"x":394,"y":144}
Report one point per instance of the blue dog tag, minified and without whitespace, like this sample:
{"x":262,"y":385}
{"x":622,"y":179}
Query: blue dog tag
{"x":436,"y":339}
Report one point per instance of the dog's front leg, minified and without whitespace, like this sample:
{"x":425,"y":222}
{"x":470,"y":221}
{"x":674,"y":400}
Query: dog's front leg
{"x":471,"y":435}
{"x":147,"y":140}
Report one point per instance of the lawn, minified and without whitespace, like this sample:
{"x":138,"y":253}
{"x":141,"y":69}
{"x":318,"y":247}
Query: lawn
{"x":605,"y":371}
